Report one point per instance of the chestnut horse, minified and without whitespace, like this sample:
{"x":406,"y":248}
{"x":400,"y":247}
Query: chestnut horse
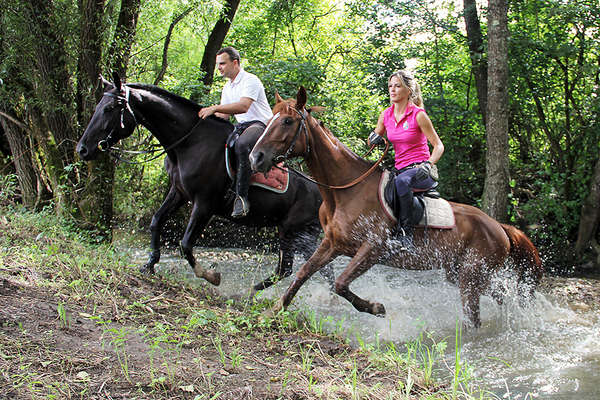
{"x":356,"y":225}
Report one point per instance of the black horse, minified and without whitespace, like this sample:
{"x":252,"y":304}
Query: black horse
{"x":195,"y":163}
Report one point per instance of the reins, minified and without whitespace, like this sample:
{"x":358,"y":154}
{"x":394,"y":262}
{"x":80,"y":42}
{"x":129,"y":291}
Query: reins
{"x":359,"y":179}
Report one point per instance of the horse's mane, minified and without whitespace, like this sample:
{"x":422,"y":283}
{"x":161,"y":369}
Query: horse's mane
{"x":160,"y":92}
{"x":172,"y":97}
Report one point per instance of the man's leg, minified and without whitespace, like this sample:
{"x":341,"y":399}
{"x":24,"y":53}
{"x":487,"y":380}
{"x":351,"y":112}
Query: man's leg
{"x":243,"y":146}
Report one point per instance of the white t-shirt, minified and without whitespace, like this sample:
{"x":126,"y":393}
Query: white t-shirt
{"x":248,"y":85}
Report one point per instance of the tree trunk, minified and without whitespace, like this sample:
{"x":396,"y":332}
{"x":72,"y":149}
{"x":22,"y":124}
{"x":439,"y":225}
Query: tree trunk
{"x":120,"y":49}
{"x":215,"y":41}
{"x":590,"y":214}
{"x":89,"y":88}
{"x":53,"y":86}
{"x":95,"y":197}
{"x":21,"y":152}
{"x":477,"y":54}
{"x":495,"y":193}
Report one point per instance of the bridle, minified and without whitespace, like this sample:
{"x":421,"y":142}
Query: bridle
{"x":105,"y":145}
{"x":302,"y":127}
{"x":123,"y":102}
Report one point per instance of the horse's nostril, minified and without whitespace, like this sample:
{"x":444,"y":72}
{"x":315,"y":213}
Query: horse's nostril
{"x":257,"y":159}
{"x":82,"y":150}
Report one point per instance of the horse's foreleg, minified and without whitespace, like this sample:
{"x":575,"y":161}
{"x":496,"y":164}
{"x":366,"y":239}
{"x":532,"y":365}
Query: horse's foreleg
{"x":284,"y":266}
{"x":324,"y":254}
{"x":197,"y":222}
{"x":172,"y":202}
{"x":307,"y":244}
{"x":360,"y":263}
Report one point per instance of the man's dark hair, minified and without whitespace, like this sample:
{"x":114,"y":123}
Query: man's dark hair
{"x":233,"y":53}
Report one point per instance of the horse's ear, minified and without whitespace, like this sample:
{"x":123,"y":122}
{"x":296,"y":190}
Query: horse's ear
{"x":316,"y":109}
{"x":117,"y":81}
{"x":301,"y":98}
{"x":106,"y":85}
{"x":278,"y":98}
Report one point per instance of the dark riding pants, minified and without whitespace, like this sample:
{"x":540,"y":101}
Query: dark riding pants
{"x":242,"y":148}
{"x":405,"y":181}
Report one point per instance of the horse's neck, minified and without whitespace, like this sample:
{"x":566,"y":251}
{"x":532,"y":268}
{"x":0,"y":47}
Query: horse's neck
{"x":167,"y":122}
{"x":330,"y":161}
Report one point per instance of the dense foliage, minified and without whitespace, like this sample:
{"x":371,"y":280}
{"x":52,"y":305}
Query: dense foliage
{"x":342,"y":52}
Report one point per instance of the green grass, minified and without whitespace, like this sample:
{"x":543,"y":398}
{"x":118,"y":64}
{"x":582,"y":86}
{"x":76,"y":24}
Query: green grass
{"x":162,"y":337}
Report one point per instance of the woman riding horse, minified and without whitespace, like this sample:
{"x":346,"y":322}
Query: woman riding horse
{"x":408,"y":128}
{"x":356,"y":225}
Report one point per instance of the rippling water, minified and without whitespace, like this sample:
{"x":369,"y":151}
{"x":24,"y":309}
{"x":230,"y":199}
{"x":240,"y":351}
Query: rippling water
{"x":547,"y":351}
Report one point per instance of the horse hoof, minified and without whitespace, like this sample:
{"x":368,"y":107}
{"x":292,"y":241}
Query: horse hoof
{"x":147,"y":270}
{"x":378,"y":309}
{"x":213,"y":277}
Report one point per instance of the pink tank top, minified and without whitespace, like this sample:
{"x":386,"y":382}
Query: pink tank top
{"x":410,"y":143}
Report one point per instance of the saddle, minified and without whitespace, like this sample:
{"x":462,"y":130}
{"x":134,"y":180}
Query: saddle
{"x":429,"y":209}
{"x":276,"y":180}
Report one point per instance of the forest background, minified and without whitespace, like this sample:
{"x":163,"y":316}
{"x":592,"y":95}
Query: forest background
{"x":515,"y":101}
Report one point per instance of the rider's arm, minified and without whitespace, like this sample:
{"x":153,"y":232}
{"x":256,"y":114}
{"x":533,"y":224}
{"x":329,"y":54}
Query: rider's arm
{"x":431,"y":135}
{"x":379,"y":130}
{"x":225,"y":110}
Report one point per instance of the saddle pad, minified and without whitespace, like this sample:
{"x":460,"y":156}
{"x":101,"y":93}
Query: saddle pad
{"x":275,"y":180}
{"x":438,"y":212}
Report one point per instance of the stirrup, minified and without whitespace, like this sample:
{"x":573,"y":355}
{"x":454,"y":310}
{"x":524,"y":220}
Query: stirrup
{"x":240,"y":207}
{"x":406,"y":242}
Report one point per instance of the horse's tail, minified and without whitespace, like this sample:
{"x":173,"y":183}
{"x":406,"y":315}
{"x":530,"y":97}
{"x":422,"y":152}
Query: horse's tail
{"x":525,"y":256}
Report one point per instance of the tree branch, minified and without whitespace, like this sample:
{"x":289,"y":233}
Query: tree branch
{"x":165,"y":62}
{"x":14,"y":121}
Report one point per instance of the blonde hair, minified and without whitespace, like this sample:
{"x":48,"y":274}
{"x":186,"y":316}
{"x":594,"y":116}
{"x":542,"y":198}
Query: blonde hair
{"x":409,"y":81}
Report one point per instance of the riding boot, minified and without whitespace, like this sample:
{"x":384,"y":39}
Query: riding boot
{"x":404,"y":229}
{"x":241,"y":205}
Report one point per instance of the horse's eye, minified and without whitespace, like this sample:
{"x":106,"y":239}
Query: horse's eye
{"x":108,"y":109}
{"x":288,"y":121}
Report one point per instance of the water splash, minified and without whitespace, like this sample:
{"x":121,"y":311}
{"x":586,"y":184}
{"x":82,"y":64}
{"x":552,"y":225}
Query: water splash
{"x":544,"y":350}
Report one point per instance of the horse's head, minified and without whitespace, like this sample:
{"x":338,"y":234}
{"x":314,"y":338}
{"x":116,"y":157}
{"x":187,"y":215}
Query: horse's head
{"x":286,"y":135}
{"x":112,"y":121}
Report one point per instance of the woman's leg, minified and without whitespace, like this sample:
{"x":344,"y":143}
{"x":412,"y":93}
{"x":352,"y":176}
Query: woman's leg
{"x":404,"y":229}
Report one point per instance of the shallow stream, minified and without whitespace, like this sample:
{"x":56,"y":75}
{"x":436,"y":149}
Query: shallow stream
{"x":547,"y":351}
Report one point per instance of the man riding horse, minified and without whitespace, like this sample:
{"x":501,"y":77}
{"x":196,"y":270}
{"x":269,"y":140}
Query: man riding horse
{"x":243,"y":96}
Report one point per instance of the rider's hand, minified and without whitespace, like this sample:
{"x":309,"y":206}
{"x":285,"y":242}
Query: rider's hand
{"x":206,"y":112}
{"x":375,"y":139}
{"x":423,"y":171}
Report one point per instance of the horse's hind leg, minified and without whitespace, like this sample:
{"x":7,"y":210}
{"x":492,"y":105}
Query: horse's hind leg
{"x":360,"y":263}
{"x":284,"y":266}
{"x":470,"y":289}
{"x":172,"y":202}
{"x":197,"y":222}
